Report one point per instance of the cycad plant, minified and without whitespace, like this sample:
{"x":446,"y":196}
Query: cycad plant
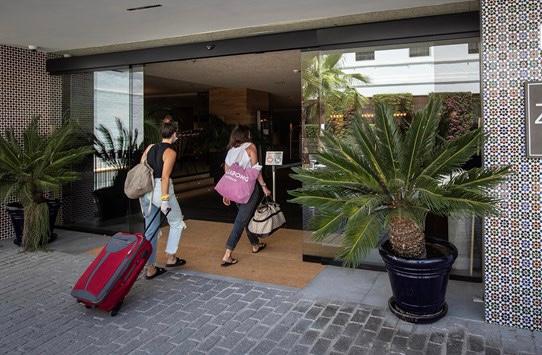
{"x":34,"y":165}
{"x":382,"y":179}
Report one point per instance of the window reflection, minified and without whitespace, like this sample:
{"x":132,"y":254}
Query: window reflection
{"x":342,"y":85}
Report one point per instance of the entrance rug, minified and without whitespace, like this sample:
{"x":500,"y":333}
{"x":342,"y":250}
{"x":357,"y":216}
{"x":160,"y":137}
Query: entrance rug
{"x":203,"y":245}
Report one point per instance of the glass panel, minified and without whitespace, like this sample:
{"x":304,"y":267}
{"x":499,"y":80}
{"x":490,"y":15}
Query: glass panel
{"x":109,"y":106}
{"x":338,"y":87}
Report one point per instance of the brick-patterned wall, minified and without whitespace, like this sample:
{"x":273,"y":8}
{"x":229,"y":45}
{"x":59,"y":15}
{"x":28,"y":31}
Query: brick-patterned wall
{"x":511,"y":55}
{"x":26,"y":90}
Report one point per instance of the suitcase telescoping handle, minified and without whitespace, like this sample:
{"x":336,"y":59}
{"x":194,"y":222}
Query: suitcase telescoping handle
{"x":152,"y":220}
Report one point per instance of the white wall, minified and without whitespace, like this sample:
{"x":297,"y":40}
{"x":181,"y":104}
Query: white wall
{"x":449,"y":68}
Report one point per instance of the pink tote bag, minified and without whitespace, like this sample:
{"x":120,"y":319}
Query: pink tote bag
{"x":237,"y":184}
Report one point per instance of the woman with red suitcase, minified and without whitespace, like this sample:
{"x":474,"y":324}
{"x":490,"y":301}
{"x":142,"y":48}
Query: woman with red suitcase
{"x":161,"y":158}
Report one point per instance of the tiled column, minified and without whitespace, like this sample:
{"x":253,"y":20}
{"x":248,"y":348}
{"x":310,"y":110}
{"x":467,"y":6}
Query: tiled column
{"x":26,"y":90}
{"x":511,"y":56}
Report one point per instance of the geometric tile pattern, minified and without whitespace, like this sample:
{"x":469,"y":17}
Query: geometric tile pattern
{"x":26,"y":90}
{"x":511,"y":56}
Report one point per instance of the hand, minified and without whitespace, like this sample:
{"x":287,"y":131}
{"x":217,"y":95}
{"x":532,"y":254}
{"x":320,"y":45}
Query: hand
{"x":226,"y":201}
{"x":266,"y":191}
{"x":165,"y":207}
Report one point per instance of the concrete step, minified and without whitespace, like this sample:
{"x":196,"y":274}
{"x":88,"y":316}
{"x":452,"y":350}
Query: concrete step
{"x":193,"y":184}
{"x":190,"y":178}
{"x":194,"y":192}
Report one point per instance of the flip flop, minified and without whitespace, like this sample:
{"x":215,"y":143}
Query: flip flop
{"x":261,"y":247}
{"x":229,"y":263}
{"x":178,"y":262}
{"x":159,"y":271}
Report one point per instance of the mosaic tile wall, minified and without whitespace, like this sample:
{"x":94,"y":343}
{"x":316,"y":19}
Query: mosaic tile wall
{"x":511,"y":55}
{"x":26,"y":90}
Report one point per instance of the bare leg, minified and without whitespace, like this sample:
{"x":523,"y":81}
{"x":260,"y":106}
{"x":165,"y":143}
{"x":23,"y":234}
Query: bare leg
{"x":151,"y":270}
{"x":171,"y":258}
{"x":227,"y":255}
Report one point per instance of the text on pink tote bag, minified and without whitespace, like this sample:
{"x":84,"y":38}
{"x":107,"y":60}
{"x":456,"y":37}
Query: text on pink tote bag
{"x":237,"y":184}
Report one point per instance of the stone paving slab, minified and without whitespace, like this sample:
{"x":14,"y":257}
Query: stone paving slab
{"x":186,"y":313}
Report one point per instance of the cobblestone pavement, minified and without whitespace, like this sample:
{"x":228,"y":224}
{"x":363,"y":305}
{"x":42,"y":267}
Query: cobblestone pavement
{"x":187,"y":313}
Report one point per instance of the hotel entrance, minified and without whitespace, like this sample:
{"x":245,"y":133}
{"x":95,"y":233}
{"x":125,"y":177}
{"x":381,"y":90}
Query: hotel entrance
{"x":288,"y":98}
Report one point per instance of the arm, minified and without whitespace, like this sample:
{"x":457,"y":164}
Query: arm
{"x":253,"y":155}
{"x":225,"y":201}
{"x":170,"y":156}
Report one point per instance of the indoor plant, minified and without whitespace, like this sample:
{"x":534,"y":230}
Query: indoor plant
{"x":217,"y":135}
{"x":34,"y":165}
{"x":382,"y":181}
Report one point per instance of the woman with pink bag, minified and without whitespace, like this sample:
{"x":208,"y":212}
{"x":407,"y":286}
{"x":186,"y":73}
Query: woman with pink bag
{"x":240,"y":162}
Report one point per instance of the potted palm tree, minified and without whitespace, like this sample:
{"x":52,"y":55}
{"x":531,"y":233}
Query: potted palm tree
{"x":32,"y":166}
{"x":377,"y":187}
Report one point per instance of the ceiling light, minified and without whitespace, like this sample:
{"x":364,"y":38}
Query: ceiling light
{"x":296,"y":71}
{"x":144,"y":7}
{"x":66,"y":55}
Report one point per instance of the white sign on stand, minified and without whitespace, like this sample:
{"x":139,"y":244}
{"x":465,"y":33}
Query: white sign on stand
{"x":273,"y":158}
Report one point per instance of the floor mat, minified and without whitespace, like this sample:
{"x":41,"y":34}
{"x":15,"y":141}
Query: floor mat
{"x":202,"y":245}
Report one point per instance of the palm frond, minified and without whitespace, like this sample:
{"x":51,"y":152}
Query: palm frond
{"x":452,"y":154}
{"x":341,"y":157}
{"x":325,"y":178}
{"x":361,"y":235}
{"x":445,"y":202}
{"x":366,"y":140}
{"x":479,"y":179}
{"x":326,"y":223}
{"x":419,"y":141}
{"x":387,"y":132}
{"x":323,"y":200}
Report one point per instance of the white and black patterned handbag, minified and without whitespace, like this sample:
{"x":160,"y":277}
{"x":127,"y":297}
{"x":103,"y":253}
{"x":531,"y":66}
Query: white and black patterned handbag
{"x":267,"y":218}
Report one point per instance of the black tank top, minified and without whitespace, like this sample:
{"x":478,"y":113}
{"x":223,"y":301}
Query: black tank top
{"x":155,"y":158}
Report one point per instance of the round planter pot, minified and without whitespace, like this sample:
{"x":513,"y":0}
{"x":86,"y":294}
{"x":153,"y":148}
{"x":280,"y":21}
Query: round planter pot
{"x":419,"y":285}
{"x":16,"y":213}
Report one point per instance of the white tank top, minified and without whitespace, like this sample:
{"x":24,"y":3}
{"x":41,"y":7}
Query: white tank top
{"x":239,"y":155}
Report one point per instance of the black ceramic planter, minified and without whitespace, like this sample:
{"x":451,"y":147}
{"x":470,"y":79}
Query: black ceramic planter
{"x":419,"y":285}
{"x":16,"y":213}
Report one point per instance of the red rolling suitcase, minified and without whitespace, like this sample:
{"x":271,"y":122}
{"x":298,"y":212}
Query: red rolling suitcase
{"x":109,"y":278}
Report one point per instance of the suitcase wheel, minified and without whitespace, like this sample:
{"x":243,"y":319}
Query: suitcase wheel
{"x":87,"y":306}
{"x":116,"y":310}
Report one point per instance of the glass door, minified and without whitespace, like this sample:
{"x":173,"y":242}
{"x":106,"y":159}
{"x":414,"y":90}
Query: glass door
{"x":339,"y":86}
{"x":108,"y":106}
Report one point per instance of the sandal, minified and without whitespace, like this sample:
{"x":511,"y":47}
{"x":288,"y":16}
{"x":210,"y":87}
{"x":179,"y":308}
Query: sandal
{"x":226,"y":263}
{"x":178,"y":262}
{"x":261,"y":247}
{"x":159,"y":271}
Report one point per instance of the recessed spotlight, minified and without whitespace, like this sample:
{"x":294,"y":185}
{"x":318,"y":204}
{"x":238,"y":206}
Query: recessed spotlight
{"x":296,"y":71}
{"x":144,"y":7}
{"x":66,"y":55}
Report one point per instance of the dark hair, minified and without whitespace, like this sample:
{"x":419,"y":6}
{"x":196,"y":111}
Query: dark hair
{"x":239,"y":135}
{"x":168,"y":128}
